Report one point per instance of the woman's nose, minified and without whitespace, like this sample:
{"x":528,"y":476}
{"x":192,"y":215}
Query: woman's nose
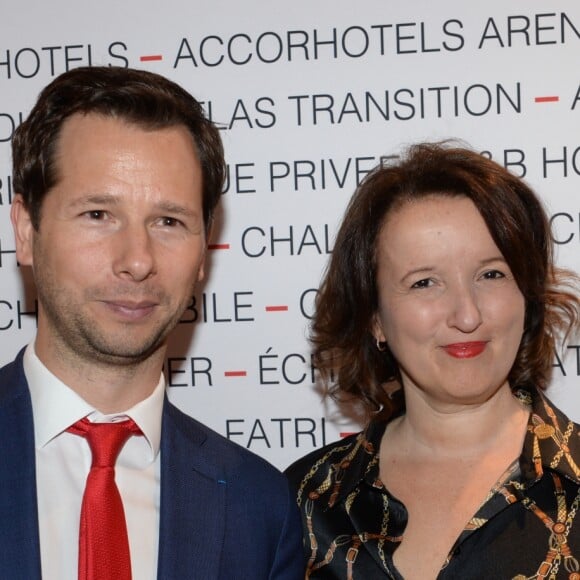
{"x":465,"y":311}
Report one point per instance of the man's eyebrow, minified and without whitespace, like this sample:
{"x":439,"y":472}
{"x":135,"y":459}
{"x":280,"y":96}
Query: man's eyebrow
{"x":109,"y":199}
{"x":176,"y":208}
{"x":95,"y":199}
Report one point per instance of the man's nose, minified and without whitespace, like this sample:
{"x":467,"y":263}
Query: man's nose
{"x":134,"y":253}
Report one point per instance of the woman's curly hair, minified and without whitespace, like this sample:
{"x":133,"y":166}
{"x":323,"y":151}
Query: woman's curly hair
{"x":345,"y":351}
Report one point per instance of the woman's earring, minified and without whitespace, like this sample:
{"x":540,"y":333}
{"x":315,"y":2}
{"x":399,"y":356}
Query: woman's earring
{"x":382,"y":345}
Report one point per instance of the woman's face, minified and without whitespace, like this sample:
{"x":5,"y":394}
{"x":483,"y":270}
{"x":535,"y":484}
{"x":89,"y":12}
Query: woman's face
{"x":449,"y":306}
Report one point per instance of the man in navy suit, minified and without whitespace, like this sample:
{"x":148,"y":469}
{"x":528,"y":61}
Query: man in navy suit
{"x":117,"y":174}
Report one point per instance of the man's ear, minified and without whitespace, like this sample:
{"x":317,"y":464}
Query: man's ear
{"x":23,"y":230}
{"x":201,"y":271}
{"x":208,"y":233}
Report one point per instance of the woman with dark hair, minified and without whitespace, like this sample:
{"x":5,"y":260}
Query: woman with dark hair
{"x":439,"y":313}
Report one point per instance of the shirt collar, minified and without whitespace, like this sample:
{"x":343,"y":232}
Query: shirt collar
{"x":55,"y":406}
{"x":357,"y":462}
{"x":551,"y":442}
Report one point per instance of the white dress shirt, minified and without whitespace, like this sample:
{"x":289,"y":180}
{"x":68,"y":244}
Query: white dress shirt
{"x":63,"y":461}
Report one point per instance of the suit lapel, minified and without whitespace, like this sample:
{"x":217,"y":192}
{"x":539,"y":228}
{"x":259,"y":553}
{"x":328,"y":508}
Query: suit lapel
{"x":19,"y":538}
{"x":193,"y":502}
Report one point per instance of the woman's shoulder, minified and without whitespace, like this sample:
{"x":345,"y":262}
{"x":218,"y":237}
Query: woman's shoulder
{"x":341,"y":464}
{"x":332,"y":453}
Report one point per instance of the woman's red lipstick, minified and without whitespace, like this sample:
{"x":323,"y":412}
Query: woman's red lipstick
{"x":465,"y":349}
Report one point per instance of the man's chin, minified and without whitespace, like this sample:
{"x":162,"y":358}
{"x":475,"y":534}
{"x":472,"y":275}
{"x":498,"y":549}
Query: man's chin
{"x":124,"y":354}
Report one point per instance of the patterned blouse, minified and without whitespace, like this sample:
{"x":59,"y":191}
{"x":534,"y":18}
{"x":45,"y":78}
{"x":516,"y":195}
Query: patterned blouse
{"x":527,"y":528}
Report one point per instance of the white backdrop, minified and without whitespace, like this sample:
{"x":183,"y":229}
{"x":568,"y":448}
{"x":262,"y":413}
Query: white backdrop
{"x":311,"y":95}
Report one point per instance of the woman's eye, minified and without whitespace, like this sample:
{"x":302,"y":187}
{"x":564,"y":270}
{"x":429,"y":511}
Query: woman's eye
{"x":425,"y":283}
{"x":493,"y":275}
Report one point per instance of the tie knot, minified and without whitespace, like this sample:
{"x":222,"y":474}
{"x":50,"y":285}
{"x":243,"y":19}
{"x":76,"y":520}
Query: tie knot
{"x":105,"y":439}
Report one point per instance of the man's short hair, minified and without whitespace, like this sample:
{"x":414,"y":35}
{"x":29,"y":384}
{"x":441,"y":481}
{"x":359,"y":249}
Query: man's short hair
{"x":143,"y":98}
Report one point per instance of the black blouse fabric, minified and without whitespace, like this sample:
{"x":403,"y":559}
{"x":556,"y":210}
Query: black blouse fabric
{"x":527,"y":528}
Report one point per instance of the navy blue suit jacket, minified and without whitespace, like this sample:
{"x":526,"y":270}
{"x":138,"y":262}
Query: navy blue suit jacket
{"x":225,"y":513}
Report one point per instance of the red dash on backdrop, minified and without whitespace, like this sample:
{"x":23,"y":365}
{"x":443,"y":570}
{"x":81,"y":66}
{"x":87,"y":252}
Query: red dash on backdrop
{"x":151,"y":57}
{"x":235,"y":373}
{"x":218,"y":247}
{"x":553,"y":99}
{"x":346,"y":433}
{"x":277,"y":308}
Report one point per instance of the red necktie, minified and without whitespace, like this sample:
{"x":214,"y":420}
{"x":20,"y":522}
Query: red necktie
{"x":103,"y":543}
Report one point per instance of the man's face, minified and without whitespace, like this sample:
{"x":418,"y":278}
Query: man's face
{"x":121,"y":242}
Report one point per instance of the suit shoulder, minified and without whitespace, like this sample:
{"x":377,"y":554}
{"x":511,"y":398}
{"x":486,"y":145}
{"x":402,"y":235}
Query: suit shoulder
{"x":233,"y":457}
{"x":12,"y":379}
{"x":13,"y":369}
